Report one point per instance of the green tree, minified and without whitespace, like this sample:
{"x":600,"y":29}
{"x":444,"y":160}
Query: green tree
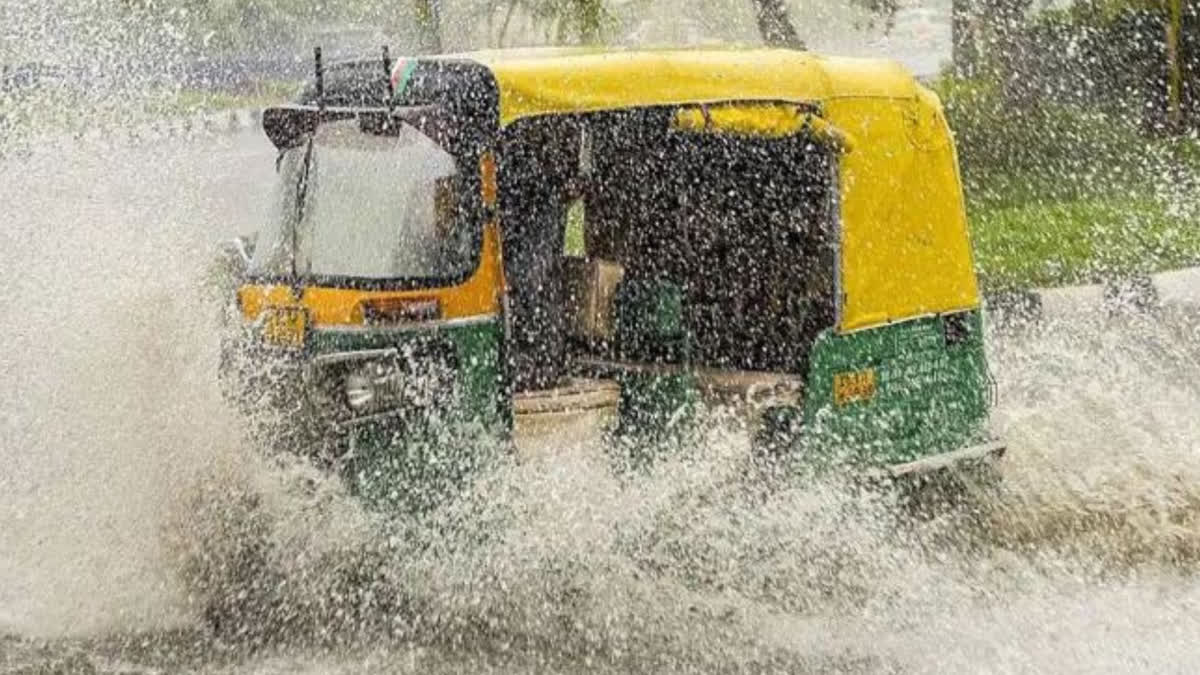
{"x":775,"y":26}
{"x":588,"y":21}
{"x":561,"y":21}
{"x":241,"y":24}
{"x":428,"y":14}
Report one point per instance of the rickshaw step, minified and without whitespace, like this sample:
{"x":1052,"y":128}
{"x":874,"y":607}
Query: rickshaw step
{"x":925,"y":465}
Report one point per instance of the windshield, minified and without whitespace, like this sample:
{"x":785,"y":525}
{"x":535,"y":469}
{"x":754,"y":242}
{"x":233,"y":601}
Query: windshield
{"x":358,"y":204}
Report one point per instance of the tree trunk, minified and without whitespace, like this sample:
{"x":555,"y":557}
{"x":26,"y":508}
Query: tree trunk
{"x":429,"y":26}
{"x":962,"y":38}
{"x":1174,"y":67}
{"x":775,"y":26}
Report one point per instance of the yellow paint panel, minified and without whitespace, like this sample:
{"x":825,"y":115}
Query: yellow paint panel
{"x":905,"y":249}
{"x":489,"y":189}
{"x":852,"y":387}
{"x":478,"y":295}
{"x":769,"y":120}
{"x":535,"y":83}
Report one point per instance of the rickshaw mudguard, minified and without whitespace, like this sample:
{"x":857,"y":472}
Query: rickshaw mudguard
{"x":414,"y":460}
{"x":982,"y":452}
{"x":898,"y":394}
{"x":406,"y":459}
{"x":476,"y":346}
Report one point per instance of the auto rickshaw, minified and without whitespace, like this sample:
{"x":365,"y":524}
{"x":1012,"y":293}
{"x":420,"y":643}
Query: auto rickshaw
{"x":474,"y":245}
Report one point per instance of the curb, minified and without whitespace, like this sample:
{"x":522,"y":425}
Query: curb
{"x":205,"y":123}
{"x":196,"y":125}
{"x":1125,"y":295}
{"x":210,"y":123}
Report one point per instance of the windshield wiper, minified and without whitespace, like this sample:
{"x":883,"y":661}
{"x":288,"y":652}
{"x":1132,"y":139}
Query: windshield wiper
{"x":301,"y":198}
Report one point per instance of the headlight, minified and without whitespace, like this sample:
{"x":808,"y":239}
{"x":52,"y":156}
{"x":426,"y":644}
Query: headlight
{"x":374,"y":386}
{"x":352,"y":384}
{"x":359,"y":392}
{"x":344,"y":386}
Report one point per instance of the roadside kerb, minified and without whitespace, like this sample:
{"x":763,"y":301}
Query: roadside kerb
{"x":1136,"y":293}
{"x":199,"y":124}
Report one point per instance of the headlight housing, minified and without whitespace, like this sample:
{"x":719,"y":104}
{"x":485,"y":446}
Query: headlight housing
{"x":346,"y":386}
{"x":373,"y":386}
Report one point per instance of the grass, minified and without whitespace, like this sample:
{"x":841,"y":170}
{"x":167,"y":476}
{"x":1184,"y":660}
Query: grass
{"x":1050,"y":243}
{"x":1043,"y":229}
{"x":187,"y":101}
{"x":574,"y":243}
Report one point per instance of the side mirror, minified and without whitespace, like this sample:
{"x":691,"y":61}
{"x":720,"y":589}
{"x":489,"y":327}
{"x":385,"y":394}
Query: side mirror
{"x":234,"y":255}
{"x":229,"y":266}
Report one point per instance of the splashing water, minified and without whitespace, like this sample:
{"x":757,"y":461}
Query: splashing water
{"x":129,"y":497}
{"x":107,"y":402}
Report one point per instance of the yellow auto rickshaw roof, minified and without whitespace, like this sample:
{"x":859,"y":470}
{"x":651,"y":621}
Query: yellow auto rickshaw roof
{"x":536,"y":82}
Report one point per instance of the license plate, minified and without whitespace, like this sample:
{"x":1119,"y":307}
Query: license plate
{"x":851,"y":387}
{"x":285,"y":326}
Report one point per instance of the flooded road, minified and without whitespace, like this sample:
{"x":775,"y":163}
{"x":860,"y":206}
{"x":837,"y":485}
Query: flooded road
{"x":122,"y":470}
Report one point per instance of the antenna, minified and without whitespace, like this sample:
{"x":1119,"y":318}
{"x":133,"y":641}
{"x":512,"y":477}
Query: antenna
{"x":320,"y":79}
{"x":387,"y":78}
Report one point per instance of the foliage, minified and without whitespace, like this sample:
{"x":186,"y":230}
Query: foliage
{"x":234,"y":24}
{"x":1044,"y":148}
{"x":775,"y":26}
{"x":1060,"y":192}
{"x":564,"y":21}
{"x":208,"y":25}
{"x":1113,"y":55}
{"x":881,"y":7}
{"x":1067,"y":175}
{"x":585,"y":19}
